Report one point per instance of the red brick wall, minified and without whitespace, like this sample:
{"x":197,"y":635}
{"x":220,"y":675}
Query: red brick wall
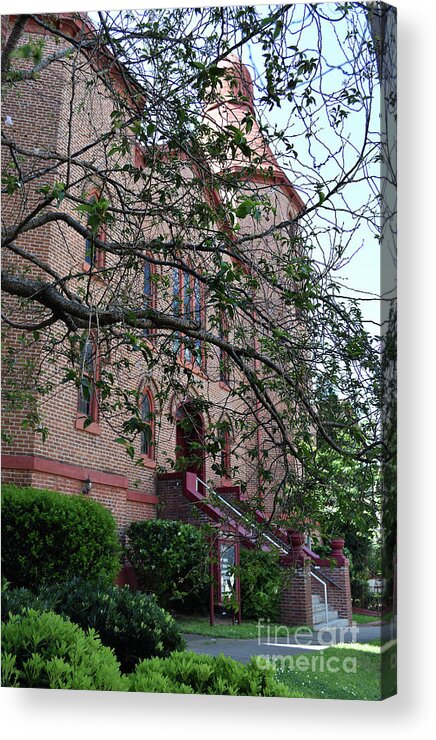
{"x":110,"y":490}
{"x":296,"y":597}
{"x":21,"y":478}
{"x":174,"y":505}
{"x":43,"y":120}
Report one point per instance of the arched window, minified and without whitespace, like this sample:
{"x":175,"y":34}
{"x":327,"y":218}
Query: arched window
{"x":190,"y":439}
{"x":87,"y":404}
{"x":95,"y":256}
{"x":188,"y":304}
{"x":224,"y":362}
{"x":147,"y":435}
{"x":177,"y":293}
{"x":226,"y":455}
{"x":198,"y":315}
{"x":148,"y":290}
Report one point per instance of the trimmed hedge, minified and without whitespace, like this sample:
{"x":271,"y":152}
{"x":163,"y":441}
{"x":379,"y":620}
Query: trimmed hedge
{"x":18,"y":600}
{"x":129,"y":622}
{"x":261,"y":582}
{"x":170,"y":560}
{"x":189,"y":673}
{"x":49,"y":536}
{"x":44,"y":650}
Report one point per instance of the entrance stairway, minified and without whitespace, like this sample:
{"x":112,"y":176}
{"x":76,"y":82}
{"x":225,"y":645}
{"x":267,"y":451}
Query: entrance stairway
{"x":252,"y":529}
{"x":318,"y":609}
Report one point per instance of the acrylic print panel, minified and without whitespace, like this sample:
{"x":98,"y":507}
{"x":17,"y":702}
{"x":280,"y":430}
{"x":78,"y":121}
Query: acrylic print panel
{"x":205,"y":200}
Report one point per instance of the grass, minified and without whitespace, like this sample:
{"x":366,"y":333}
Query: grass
{"x":365,"y":672}
{"x":365,"y":618}
{"x":247,"y":630}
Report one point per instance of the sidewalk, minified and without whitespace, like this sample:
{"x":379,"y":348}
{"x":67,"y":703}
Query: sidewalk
{"x":305,"y":640}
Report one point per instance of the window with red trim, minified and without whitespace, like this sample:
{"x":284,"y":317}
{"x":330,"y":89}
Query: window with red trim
{"x":226,"y":455}
{"x":188,"y":304}
{"x":147,"y":435}
{"x":227,"y":562}
{"x":148,"y":290}
{"x":87,"y":404}
{"x":224,"y":362}
{"x":95,"y":256}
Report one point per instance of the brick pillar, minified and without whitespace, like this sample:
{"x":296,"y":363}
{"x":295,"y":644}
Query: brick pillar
{"x":345,"y":610}
{"x":170,"y":492}
{"x":296,"y":596}
{"x":173,"y":503}
{"x":338,"y":592}
{"x":232,"y":494}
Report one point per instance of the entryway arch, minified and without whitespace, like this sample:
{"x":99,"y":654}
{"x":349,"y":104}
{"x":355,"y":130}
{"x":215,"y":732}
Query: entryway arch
{"x":190,"y":439}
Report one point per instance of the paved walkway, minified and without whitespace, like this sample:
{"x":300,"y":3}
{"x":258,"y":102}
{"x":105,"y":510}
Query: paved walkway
{"x":303,"y":641}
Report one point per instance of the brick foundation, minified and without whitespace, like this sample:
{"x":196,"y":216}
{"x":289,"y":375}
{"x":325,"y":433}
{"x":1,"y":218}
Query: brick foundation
{"x":111,"y":490}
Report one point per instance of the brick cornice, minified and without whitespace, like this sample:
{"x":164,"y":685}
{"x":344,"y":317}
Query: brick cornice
{"x":64,"y":470}
{"x":142,"y":498}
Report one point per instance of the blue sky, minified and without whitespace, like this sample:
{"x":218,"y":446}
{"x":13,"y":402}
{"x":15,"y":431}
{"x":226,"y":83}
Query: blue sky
{"x":361,"y":272}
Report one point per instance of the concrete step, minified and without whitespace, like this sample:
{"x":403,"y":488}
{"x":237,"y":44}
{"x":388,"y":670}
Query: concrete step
{"x":319,"y":615}
{"x":331,"y":624}
{"x":317,"y":599}
{"x":321,"y":607}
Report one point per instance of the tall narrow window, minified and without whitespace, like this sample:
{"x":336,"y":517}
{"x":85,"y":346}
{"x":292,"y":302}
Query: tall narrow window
{"x":198,"y":314}
{"x":225,"y":455}
{"x":87,"y":404}
{"x":90,"y":252}
{"x":95,"y":256}
{"x":187,"y":311}
{"x":227,"y":563}
{"x":147,"y":433}
{"x":177,"y":290}
{"x":148,"y":291}
{"x":224,"y":363}
{"x":187,"y":304}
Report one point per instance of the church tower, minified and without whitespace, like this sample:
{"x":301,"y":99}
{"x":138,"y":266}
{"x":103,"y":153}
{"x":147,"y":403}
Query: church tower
{"x":233,"y":108}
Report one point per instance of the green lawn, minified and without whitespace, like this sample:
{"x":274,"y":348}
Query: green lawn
{"x":247,"y":630}
{"x":365,"y":618}
{"x":341,"y":672}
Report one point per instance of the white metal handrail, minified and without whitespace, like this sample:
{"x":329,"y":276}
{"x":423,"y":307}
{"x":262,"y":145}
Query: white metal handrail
{"x":236,"y":511}
{"x":241,"y":516}
{"x":325,"y":595}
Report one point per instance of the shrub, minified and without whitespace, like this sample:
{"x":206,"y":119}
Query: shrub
{"x":189,"y":673}
{"x":17,"y":600}
{"x":170,"y":559}
{"x":49,"y":536}
{"x":44,"y":650}
{"x":360,"y":592}
{"x":261,"y":581}
{"x":129,"y":622}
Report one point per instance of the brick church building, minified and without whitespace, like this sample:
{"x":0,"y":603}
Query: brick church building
{"x":79,"y":453}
